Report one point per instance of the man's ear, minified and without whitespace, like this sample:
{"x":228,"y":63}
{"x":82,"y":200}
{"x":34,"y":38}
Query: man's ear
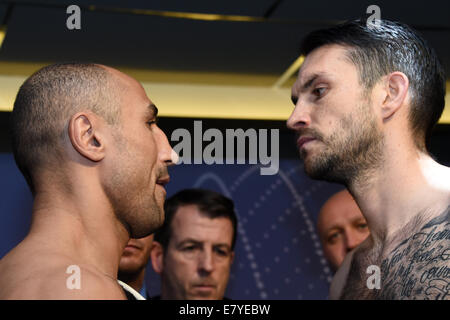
{"x":232,"y":257}
{"x":397,"y":85}
{"x":85,"y":136}
{"x":157,"y":257}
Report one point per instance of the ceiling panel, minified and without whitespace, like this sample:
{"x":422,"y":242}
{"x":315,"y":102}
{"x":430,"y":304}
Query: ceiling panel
{"x":152,"y":42}
{"x":195,"y":52}
{"x":2,"y":12}
{"x":420,"y":13}
{"x":37,"y":33}
{"x":231,"y":7}
{"x":430,"y":18}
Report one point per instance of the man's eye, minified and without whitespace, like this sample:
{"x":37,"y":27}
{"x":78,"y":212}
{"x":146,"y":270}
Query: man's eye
{"x":222,"y":252}
{"x":319,"y":91}
{"x":188,"y":248}
{"x":333,"y":237}
{"x":150,"y":123}
{"x":362,"y":226}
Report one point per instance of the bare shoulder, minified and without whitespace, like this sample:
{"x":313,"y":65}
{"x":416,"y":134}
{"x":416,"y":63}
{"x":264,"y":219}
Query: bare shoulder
{"x":425,"y":274}
{"x":68,"y":282}
{"x":419,"y":266}
{"x":340,"y":278}
{"x":45,"y":277}
{"x":413,"y":264}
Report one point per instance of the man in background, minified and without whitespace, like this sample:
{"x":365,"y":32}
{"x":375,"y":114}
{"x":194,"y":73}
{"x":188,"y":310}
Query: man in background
{"x":194,"y":249}
{"x":341,"y":227}
{"x":134,"y":262}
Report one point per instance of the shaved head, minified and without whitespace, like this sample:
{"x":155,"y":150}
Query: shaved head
{"x":341,"y":226}
{"x":46,"y":102}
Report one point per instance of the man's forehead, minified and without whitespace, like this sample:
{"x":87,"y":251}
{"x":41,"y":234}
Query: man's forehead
{"x":186,"y":224}
{"x":342,"y":215}
{"x":326,"y":53}
{"x":124,"y":81}
{"x":117,"y":74}
{"x":343,"y":222}
{"x":323,"y":61}
{"x":204,"y":238}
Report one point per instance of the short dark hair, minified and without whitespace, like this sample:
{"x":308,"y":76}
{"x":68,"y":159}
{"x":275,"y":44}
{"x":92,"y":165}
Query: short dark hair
{"x":43,"y":107}
{"x":377,"y":50}
{"x":210,"y":204}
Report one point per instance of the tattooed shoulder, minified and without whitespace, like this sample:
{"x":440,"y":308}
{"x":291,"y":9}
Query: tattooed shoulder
{"x":418,"y":267}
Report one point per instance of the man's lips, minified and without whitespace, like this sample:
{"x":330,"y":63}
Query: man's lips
{"x":163,"y":180}
{"x":204,"y":287}
{"x":204,"y":284}
{"x":303,"y":140}
{"x":132,"y":247}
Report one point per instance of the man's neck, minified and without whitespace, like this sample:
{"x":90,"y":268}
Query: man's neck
{"x":408,"y":184}
{"x":82,"y":228}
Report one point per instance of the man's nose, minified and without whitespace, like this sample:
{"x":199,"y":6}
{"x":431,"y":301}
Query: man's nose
{"x":299,"y":118}
{"x":352,"y":240}
{"x":166,"y":153}
{"x":206,"y":262}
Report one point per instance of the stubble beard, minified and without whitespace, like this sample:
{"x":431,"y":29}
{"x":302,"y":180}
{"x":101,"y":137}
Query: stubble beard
{"x":134,"y":204}
{"x":352,"y":154}
{"x":135,"y":207}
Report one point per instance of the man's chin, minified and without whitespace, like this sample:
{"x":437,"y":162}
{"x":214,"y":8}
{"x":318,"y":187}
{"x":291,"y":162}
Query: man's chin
{"x":129,"y":267}
{"x":318,"y":168}
{"x":202,"y":297}
{"x":203,"y":294}
{"x":311,"y":166}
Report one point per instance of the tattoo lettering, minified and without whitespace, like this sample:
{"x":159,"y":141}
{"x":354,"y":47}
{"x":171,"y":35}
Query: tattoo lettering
{"x":417,"y":268}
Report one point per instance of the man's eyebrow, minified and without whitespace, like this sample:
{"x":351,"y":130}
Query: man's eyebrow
{"x":301,"y":88}
{"x":313,"y":77}
{"x":153,"y":110}
{"x":190,"y":241}
{"x":359,"y":219}
{"x":222,"y":245}
{"x":333,"y":227}
{"x":309,"y":82}
{"x":197,"y":242}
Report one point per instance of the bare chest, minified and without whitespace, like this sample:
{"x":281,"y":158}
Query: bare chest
{"x":417,"y":267}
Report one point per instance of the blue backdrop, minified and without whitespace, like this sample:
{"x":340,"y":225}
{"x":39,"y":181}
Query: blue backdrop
{"x":278,"y":252}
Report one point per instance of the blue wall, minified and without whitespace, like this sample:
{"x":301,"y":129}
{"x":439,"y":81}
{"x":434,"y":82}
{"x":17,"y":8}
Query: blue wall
{"x":278,"y":253}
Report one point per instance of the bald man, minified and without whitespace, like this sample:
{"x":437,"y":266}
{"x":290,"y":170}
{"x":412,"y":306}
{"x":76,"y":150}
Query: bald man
{"x":341,"y":227}
{"x":86,"y":140}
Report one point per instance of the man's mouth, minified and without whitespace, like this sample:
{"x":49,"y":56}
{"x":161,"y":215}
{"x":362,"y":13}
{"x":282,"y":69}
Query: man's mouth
{"x":132,"y":243}
{"x":302,"y":141}
{"x":204,"y":287}
{"x":131,"y":248}
{"x":163,"y":180}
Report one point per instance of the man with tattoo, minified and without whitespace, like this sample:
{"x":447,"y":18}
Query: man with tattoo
{"x":366,"y":99}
